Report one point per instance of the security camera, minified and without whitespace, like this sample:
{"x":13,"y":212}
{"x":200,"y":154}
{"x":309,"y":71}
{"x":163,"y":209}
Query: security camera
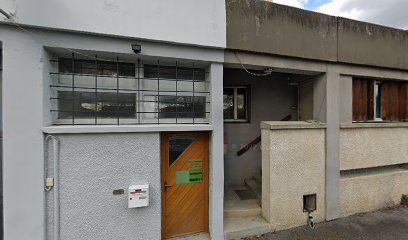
{"x":137,"y":48}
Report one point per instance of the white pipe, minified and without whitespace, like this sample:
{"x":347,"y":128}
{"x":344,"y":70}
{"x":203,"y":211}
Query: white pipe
{"x":55,"y":150}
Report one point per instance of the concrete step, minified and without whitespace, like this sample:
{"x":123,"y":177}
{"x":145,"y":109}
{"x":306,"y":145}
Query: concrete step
{"x":254,"y":187}
{"x":237,"y":228}
{"x":244,"y":212}
{"x":235,"y":207}
{"x":257,"y":179}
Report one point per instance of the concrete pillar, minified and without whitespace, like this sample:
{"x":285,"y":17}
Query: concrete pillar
{"x":332,"y":143}
{"x":217,"y":153}
{"x":23,"y":156}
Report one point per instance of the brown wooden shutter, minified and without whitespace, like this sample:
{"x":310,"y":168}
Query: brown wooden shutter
{"x":403,"y":102}
{"x":395,"y":101}
{"x":363,"y":99}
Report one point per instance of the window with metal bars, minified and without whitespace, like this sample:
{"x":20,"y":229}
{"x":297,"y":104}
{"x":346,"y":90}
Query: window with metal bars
{"x":96,"y":92}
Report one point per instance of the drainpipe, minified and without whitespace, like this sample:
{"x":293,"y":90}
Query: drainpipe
{"x":53,"y":182}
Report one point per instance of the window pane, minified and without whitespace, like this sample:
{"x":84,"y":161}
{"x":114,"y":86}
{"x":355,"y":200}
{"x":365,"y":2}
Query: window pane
{"x":101,"y":104}
{"x":377,"y":89}
{"x":96,"y":67}
{"x":167,"y":72}
{"x":177,"y":145}
{"x":182,"y":107}
{"x":241,"y":103}
{"x":228,"y":103}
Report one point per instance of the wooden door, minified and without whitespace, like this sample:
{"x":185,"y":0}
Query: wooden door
{"x":184,"y":183}
{"x":305,"y":105}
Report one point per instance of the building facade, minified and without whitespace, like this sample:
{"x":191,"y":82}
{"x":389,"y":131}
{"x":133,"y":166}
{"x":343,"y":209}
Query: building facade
{"x":227,"y":118}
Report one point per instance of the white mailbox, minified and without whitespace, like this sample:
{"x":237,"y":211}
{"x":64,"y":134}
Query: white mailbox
{"x":138,"y":196}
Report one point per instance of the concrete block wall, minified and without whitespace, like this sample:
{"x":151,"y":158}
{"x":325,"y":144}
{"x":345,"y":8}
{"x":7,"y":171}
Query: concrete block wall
{"x":293,"y":163}
{"x":364,"y":193}
{"x":373,"y":147}
{"x":376,"y":182}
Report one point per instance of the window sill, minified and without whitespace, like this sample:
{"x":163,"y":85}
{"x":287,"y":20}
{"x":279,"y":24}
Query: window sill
{"x":127,"y":129}
{"x":374,"y":125}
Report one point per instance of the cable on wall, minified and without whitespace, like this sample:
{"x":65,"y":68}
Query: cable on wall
{"x":33,"y":35}
{"x":268,"y":71}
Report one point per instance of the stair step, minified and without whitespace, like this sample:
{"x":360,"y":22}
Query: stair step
{"x":249,"y":212}
{"x":237,"y":228}
{"x":258,"y":179}
{"x":235,"y":207}
{"x":254,"y":187}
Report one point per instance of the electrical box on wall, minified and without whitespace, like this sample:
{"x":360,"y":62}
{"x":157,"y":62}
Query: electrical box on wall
{"x":138,"y":196}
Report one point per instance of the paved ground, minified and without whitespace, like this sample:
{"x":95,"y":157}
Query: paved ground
{"x":389,"y":224}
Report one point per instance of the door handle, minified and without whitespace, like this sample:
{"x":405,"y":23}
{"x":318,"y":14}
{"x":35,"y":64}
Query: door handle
{"x":166,"y":186}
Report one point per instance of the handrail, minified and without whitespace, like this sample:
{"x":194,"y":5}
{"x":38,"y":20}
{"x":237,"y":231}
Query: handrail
{"x":257,"y":140}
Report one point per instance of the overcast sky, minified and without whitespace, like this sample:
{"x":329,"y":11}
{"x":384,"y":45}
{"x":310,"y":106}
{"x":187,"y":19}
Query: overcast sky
{"x":392,"y":13}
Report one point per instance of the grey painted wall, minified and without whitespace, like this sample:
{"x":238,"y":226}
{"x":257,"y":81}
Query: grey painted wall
{"x":91,"y":167}
{"x":265,"y":27}
{"x":271,"y":100}
{"x":262,"y":26}
{"x":370,"y":44}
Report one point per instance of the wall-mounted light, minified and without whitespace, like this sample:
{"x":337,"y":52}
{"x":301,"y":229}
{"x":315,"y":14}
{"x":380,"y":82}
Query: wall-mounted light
{"x":137,"y":48}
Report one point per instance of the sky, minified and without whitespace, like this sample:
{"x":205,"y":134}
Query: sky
{"x":393,"y":13}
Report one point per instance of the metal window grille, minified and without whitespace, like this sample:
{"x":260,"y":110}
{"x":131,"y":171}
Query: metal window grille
{"x":100,"y":92}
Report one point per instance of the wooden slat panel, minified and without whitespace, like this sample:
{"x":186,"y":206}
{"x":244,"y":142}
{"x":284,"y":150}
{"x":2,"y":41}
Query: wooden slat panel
{"x":363,"y":99}
{"x":403,"y":101}
{"x":394,"y":99}
{"x":370,"y":100}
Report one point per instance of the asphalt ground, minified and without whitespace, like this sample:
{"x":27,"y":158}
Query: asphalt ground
{"x":387,"y":224}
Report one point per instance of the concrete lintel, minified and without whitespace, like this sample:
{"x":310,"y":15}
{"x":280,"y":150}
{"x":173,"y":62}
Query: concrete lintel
{"x":274,"y":61}
{"x":372,"y":72}
{"x":91,"y":44}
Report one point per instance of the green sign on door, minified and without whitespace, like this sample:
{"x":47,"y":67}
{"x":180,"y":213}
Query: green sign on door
{"x":194,"y":173}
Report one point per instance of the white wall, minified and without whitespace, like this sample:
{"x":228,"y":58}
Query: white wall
{"x":185,"y":21}
{"x":91,"y":167}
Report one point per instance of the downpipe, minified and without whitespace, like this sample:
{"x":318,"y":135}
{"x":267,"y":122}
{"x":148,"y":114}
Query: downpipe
{"x":310,"y":221}
{"x":52,"y":182}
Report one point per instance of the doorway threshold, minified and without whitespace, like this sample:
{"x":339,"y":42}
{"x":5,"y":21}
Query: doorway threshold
{"x":197,"y":236}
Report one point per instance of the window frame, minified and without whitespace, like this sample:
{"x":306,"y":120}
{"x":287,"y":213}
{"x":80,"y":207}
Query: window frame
{"x":141,"y":117}
{"x":154,"y":120}
{"x":247,"y":104}
{"x":82,"y":87}
{"x":377,"y":89}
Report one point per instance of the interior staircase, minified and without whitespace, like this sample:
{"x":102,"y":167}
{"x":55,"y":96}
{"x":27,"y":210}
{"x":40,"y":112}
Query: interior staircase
{"x":243,"y":218}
